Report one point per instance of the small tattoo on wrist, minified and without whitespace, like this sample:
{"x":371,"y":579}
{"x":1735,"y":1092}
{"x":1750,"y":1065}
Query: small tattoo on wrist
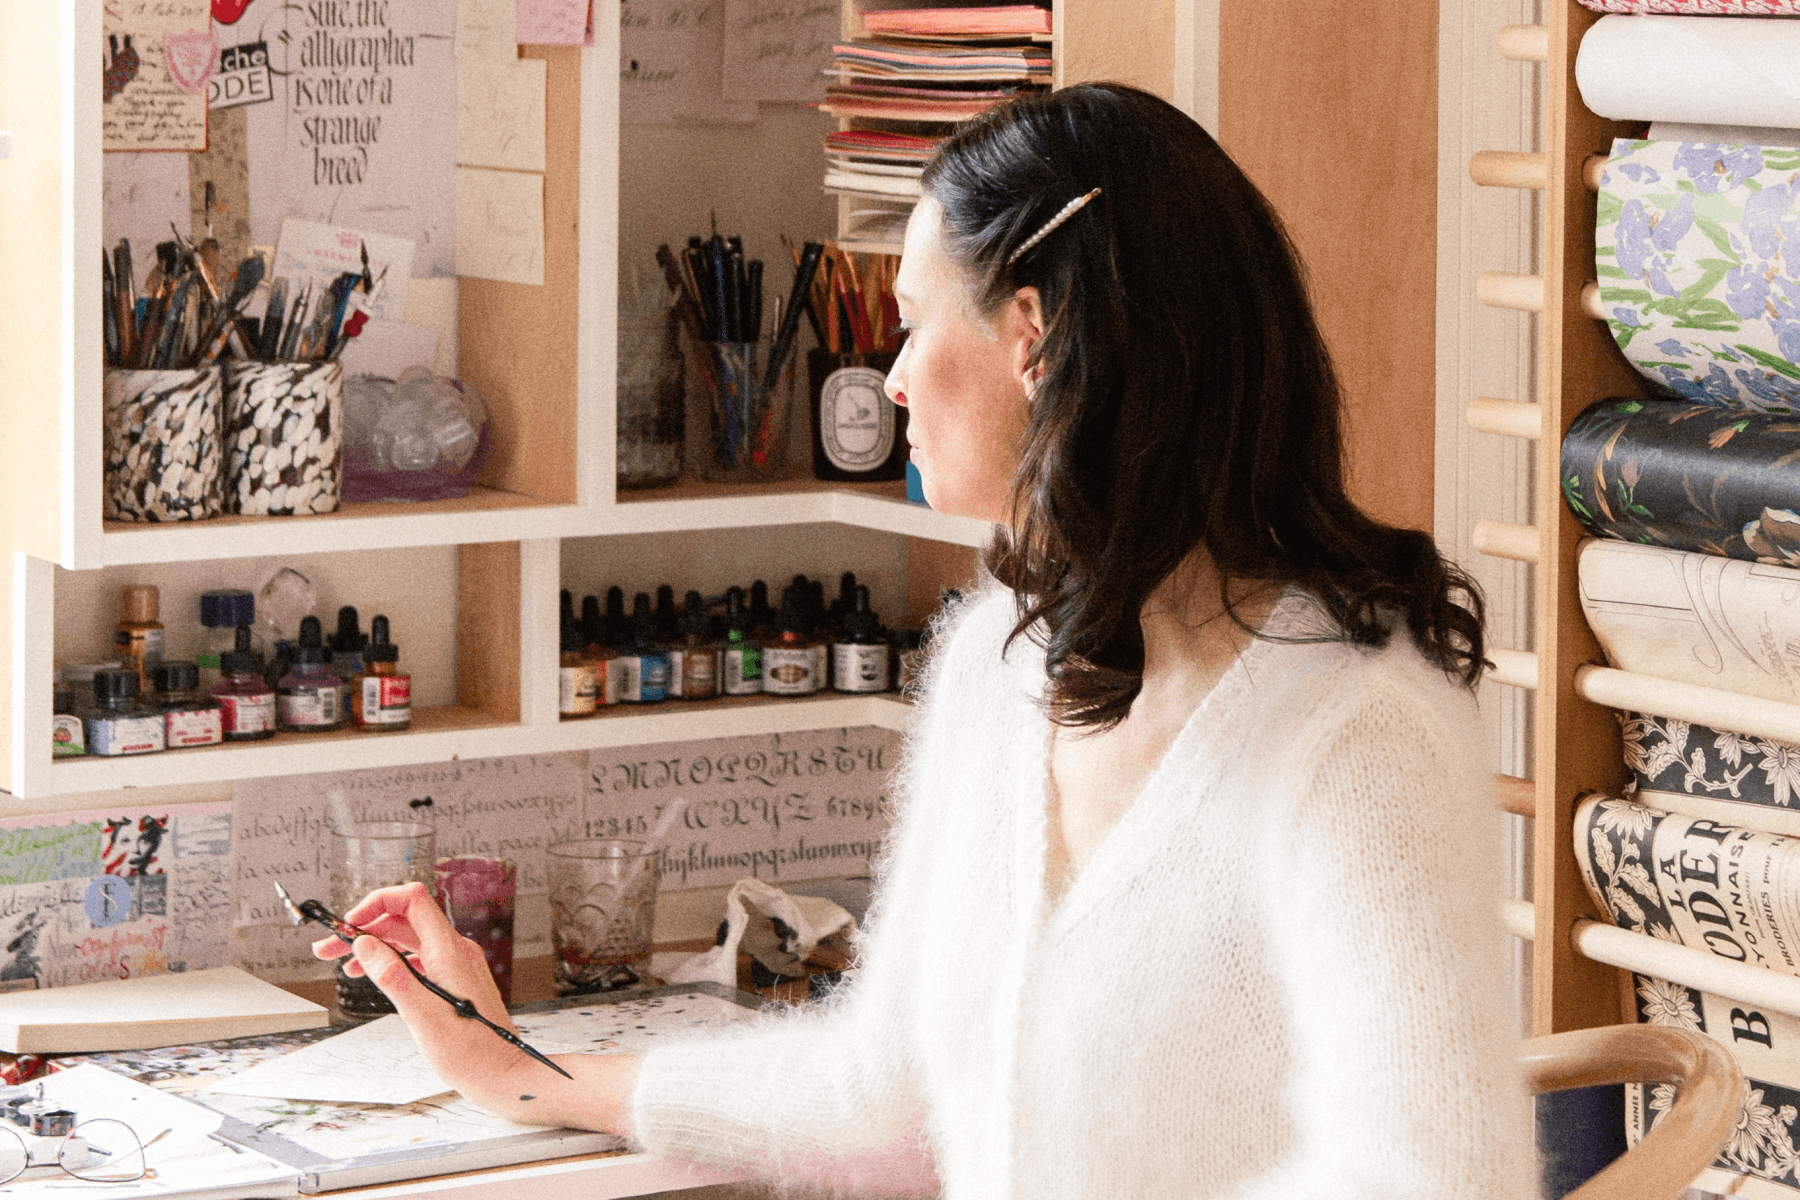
{"x":528,"y":1097}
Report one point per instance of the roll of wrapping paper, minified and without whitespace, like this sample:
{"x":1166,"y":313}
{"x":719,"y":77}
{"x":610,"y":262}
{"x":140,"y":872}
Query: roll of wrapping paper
{"x":1701,"y":293}
{"x":1699,"y":8}
{"x":1703,"y":772}
{"x":1745,"y":71}
{"x":1686,"y":476}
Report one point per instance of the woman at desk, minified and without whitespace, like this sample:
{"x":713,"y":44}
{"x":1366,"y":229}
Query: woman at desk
{"x":1190,"y":886}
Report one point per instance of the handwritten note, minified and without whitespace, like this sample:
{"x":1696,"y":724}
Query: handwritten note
{"x":361,"y":134}
{"x":552,"y":22}
{"x":671,"y":62}
{"x":86,"y":897}
{"x":485,"y":28}
{"x":780,"y":808}
{"x":500,"y":225}
{"x":312,"y":253}
{"x":158,"y":57}
{"x":776,"y":50}
{"x":500,"y":113}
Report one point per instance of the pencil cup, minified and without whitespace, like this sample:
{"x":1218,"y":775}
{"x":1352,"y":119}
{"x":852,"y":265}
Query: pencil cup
{"x":602,"y":913}
{"x":858,"y":434}
{"x":477,"y":895}
{"x":367,"y":855}
{"x":748,"y":416}
{"x":284,"y":425}
{"x":652,"y":417}
{"x":164,"y":458}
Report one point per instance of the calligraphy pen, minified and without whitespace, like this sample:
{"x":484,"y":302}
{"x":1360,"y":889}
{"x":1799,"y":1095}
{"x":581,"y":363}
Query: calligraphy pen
{"x":312,"y":910}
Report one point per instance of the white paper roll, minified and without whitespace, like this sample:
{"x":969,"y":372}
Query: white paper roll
{"x":1700,"y":70}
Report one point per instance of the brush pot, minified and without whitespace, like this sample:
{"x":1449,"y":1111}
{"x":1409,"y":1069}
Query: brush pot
{"x":652,"y":415}
{"x":367,"y":855}
{"x":284,"y":426}
{"x":749,"y":418}
{"x":164,"y":457}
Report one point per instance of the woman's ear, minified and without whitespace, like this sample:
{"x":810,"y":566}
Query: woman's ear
{"x":1023,"y":331}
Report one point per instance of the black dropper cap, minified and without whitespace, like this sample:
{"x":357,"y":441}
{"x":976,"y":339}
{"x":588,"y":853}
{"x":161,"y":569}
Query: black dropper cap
{"x":693,"y":615}
{"x":177,"y":675}
{"x":668,"y":623}
{"x":815,"y":605}
{"x":227,"y":607}
{"x":736,"y":619}
{"x":846,"y":597}
{"x":565,"y":609}
{"x":593,"y":629}
{"x":643,"y":622}
{"x":381,"y":646}
{"x":793,"y":608}
{"x":241,"y":660}
{"x":618,"y":626}
{"x":861,"y":623}
{"x":115,"y":684}
{"x":573,"y":641}
{"x":349,"y":637}
{"x":760,"y":612}
{"x":311,"y":648}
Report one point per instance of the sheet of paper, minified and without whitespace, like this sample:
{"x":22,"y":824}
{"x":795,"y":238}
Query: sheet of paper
{"x":113,"y":894}
{"x":485,"y":29}
{"x":552,"y":22}
{"x":776,"y":50}
{"x":776,"y":807}
{"x":500,"y":113}
{"x":362,"y":134}
{"x":671,"y":59}
{"x":389,"y":348}
{"x":158,"y":57}
{"x":190,"y":995}
{"x":141,"y":195}
{"x":500,"y":225}
{"x":500,"y":807}
{"x":320,"y":253}
{"x":243,"y":76}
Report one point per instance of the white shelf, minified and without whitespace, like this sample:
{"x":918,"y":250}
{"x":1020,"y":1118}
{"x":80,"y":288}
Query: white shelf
{"x":702,"y":507}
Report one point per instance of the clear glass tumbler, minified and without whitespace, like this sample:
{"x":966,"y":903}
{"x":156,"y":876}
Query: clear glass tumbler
{"x":602,"y":913}
{"x":367,"y":855}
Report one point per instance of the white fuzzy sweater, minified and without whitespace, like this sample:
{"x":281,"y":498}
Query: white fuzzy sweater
{"x":1279,"y":977}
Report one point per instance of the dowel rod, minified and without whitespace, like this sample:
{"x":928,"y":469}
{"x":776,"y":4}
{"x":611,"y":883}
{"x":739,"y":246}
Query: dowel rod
{"x":1519,"y":918}
{"x":1646,"y":955}
{"x":1711,"y":707}
{"x":1508,"y":418}
{"x":1516,"y":796}
{"x":1516,"y":668}
{"x":1506,"y":539}
{"x":1502,"y":289}
{"x":1591,"y":303}
{"x":1592,"y":167}
{"x":1509,"y":168}
{"x":1525,"y":43}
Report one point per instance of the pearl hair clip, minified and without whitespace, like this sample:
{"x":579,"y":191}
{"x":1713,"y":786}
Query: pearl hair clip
{"x":1068,"y":210}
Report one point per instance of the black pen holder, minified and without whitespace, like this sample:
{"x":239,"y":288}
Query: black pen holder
{"x":749,"y":414}
{"x":164,"y":459}
{"x":858,"y":434}
{"x":284,"y":427}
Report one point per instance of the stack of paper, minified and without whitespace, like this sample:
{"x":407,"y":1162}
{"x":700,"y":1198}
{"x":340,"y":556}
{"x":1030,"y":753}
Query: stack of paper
{"x":151,"y":1010}
{"x":1011,"y":20}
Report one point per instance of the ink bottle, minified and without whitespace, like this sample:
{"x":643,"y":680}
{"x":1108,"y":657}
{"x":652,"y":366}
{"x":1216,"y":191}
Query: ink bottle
{"x":221,"y":612}
{"x":668,"y":621}
{"x":694,"y":661}
{"x":791,"y":662}
{"x":139,"y":634}
{"x":859,"y":657}
{"x":381,"y":699}
{"x":600,"y":653}
{"x":118,"y":723}
{"x":742,"y":658}
{"x":346,"y":646}
{"x":576,"y":690}
{"x":819,"y":627}
{"x":307,"y":698}
{"x":652,"y":658}
{"x":762,"y":616}
{"x":246,"y":703}
{"x":67,"y":738}
{"x":191,"y":717}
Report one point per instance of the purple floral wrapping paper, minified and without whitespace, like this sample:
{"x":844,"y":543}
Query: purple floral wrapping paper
{"x":1686,"y":476}
{"x":1691,"y":250}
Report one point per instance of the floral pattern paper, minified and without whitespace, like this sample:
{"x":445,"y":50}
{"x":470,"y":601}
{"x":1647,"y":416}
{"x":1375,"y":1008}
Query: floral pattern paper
{"x":1691,"y":251}
{"x":1686,"y":476}
{"x":1732,"y":777}
{"x":1715,"y":8}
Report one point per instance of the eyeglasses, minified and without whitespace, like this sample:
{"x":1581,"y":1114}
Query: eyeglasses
{"x":99,"y":1151}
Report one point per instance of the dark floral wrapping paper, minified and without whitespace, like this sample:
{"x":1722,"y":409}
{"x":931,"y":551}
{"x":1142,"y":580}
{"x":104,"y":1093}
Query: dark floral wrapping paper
{"x":1732,"y":777}
{"x":1686,"y":476}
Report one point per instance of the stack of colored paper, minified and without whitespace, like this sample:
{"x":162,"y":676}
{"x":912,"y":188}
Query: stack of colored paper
{"x":1011,"y":20}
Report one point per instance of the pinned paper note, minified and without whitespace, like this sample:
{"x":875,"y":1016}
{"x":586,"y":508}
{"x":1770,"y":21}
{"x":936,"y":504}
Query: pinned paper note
{"x":500,"y":113}
{"x":388,"y":348}
{"x":309,"y":252}
{"x":777,"y":50}
{"x":553,"y":22}
{"x":485,"y":29}
{"x":671,"y":55}
{"x":158,"y":57}
{"x":500,"y":225}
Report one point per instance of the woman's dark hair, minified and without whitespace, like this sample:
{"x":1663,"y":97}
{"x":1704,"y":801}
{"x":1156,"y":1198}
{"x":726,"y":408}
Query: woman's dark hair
{"x":1185,"y":397}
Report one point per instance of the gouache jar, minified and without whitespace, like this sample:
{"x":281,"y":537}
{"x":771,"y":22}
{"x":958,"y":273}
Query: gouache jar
{"x":163,"y":457}
{"x":366,"y":855}
{"x":477,"y":895}
{"x":284,"y":426}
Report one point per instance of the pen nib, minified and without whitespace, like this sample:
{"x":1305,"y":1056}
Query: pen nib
{"x":288,"y":903}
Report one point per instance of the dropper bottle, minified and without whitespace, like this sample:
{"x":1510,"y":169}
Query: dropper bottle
{"x":694,"y":661}
{"x":791,"y":663}
{"x":742,"y":673}
{"x":382,"y":697}
{"x":306,"y":699}
{"x":859,"y":656}
{"x":652,"y":656}
{"x":246,"y":704}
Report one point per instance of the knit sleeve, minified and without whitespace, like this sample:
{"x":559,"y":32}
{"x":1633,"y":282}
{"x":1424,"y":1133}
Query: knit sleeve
{"x":1381,"y":869}
{"x":832,"y":1094}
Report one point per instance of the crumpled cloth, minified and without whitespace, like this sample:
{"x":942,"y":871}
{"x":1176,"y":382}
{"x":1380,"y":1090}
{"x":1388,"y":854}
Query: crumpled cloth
{"x":778,"y":930}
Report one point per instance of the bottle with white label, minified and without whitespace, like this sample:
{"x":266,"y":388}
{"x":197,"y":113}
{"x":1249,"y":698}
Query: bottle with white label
{"x":694,"y":660}
{"x":381,"y":697}
{"x":577,"y":688}
{"x":791,"y":662}
{"x":307,"y":698}
{"x":858,"y":434}
{"x":859,"y":656}
{"x":190,"y":716}
{"x":246,"y":702}
{"x":117,"y":723}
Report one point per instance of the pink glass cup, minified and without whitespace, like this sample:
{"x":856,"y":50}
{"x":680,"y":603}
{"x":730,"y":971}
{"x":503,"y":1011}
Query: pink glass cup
{"x":477,"y":894}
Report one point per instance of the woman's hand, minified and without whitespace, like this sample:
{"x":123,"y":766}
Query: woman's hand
{"x":466,"y":1054}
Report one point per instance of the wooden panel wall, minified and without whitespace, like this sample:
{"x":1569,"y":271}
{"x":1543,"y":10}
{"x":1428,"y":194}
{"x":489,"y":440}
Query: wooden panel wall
{"x":1332,"y":110}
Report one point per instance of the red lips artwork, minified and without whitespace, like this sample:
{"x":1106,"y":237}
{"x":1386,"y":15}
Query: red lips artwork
{"x":226,"y":12}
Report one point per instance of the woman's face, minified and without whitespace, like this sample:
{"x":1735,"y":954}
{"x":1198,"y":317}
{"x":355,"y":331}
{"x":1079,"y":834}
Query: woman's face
{"x":962,"y":378}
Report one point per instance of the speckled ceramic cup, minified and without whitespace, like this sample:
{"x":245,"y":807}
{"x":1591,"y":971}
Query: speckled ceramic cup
{"x":284,"y":426}
{"x":164,"y":459}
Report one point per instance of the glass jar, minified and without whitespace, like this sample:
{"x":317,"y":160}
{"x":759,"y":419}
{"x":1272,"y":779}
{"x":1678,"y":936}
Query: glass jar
{"x":652,"y":400}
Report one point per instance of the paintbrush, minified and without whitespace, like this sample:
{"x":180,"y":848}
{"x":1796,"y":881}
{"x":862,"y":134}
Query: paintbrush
{"x":312,"y":910}
{"x":249,"y":274}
